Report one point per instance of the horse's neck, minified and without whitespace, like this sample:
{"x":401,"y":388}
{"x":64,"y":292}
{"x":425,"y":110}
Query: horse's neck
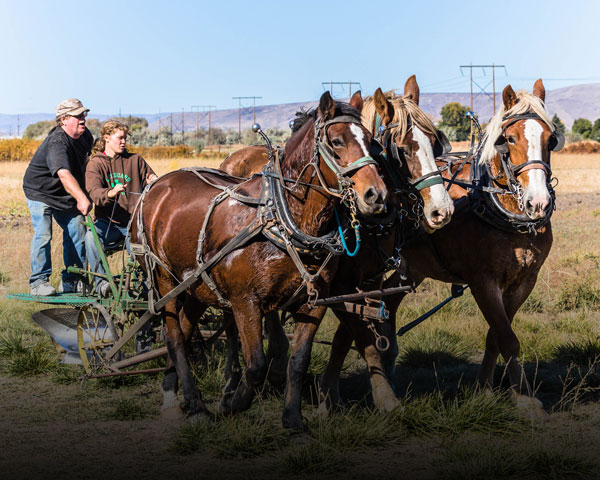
{"x":310,"y":208}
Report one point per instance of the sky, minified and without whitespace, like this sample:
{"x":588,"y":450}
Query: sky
{"x":134,"y":56}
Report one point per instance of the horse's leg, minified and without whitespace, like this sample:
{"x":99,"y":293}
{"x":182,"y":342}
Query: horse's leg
{"x":304,"y":333}
{"x":192,"y":309}
{"x":175,"y":340}
{"x":233,"y":369}
{"x":501,"y":337}
{"x":277,"y":350}
{"x":330,"y":380}
{"x":249,"y":324}
{"x":384,"y":397}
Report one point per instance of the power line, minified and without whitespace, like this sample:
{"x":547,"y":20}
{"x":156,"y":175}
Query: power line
{"x":483,"y":67}
{"x":331,"y":84}
{"x":239,"y":99}
{"x":210,"y":107}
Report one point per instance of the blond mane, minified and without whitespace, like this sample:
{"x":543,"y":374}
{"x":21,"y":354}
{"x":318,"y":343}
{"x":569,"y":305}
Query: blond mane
{"x":404,"y":109}
{"x":526,"y":103}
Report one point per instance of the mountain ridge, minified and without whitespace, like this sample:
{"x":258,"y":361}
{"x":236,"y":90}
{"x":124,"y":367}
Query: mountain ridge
{"x":569,"y":103}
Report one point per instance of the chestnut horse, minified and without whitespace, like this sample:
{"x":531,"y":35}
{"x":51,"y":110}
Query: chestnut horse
{"x":411,"y":140}
{"x":496,"y":245}
{"x":187,"y":219}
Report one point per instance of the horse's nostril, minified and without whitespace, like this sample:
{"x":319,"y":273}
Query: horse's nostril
{"x":371,"y":196}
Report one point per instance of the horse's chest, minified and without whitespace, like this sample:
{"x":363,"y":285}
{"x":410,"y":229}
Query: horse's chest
{"x":525,"y":257}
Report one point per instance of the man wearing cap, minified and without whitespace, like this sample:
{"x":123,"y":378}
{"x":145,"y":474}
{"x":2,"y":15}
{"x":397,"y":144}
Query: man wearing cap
{"x":54,"y":186}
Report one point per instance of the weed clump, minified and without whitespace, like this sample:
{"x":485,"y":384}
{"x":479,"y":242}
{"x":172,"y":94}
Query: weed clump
{"x":579,"y":294}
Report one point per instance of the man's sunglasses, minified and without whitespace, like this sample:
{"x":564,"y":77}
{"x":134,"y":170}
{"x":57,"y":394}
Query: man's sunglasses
{"x":81,"y":116}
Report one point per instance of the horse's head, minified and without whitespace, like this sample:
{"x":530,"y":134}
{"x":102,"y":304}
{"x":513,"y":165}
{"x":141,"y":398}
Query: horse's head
{"x":344,"y":144}
{"x":414,"y":143}
{"x":523,"y":137}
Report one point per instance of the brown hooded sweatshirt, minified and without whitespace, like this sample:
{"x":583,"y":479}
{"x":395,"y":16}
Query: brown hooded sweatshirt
{"x":103,"y":173}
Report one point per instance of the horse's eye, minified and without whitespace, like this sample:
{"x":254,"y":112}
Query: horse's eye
{"x":511,"y":140}
{"x":336,"y":142}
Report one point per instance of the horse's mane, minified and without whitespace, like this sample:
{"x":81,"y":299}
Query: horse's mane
{"x":404,"y":110}
{"x":526,"y":103}
{"x":303,"y":116}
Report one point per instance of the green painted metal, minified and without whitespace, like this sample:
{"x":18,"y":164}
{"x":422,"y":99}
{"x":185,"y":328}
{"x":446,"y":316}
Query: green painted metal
{"x":72,"y":299}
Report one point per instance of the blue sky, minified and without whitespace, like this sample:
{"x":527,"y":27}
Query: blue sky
{"x":145,"y":56}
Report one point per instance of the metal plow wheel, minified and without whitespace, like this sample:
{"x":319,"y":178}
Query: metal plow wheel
{"x":95,"y":335}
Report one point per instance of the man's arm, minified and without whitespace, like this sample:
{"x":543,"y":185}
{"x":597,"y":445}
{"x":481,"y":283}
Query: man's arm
{"x":72,"y":187}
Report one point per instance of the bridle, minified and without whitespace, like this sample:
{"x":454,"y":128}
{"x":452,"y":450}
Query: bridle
{"x":388,"y":142}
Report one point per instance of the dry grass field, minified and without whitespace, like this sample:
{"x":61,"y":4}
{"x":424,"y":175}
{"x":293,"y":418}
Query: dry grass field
{"x":52,"y":425}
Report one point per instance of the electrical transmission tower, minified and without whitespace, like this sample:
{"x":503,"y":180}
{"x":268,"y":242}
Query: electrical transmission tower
{"x":482,"y":89}
{"x":205,"y":112}
{"x":239,"y":99}
{"x":331,"y":84}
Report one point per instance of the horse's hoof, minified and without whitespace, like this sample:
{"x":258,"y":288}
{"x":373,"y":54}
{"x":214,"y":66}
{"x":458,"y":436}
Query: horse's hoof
{"x":322,"y":411}
{"x":200,"y":418}
{"x":301,"y":438}
{"x":171,"y":414}
{"x":384,"y":398}
{"x":531,"y":407}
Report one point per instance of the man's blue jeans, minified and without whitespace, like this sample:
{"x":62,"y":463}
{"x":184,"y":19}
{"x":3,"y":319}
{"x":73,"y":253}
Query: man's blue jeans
{"x":109,"y":235}
{"x":71,"y":222}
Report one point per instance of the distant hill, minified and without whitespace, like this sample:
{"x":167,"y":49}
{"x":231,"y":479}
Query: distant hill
{"x":568,"y":103}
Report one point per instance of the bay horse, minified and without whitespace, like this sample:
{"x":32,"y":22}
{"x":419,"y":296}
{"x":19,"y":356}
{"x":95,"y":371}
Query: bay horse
{"x":189,"y":217}
{"x":412,"y":140}
{"x":496,"y":242}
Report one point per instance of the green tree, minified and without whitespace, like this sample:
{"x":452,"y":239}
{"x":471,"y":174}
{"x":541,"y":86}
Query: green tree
{"x":583,"y":127}
{"x":454,"y":122}
{"x":596,"y":130}
{"x":558,"y":123}
{"x":38,"y":129}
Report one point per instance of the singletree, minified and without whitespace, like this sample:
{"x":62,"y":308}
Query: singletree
{"x":583,"y":127}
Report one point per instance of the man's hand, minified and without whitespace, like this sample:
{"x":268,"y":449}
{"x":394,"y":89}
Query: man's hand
{"x":118,"y":188}
{"x":151,"y":177}
{"x":84,"y":205}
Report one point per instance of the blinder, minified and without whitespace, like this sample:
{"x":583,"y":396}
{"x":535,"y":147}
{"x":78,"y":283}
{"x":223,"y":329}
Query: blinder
{"x":442,"y":144}
{"x":557,"y":141}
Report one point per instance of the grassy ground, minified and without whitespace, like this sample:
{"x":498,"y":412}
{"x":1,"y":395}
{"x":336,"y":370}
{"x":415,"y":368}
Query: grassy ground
{"x":52,"y":425}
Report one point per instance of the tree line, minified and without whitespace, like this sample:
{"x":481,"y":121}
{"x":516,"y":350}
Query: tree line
{"x":457,"y":126}
{"x":141,"y":136}
{"x":453,"y":123}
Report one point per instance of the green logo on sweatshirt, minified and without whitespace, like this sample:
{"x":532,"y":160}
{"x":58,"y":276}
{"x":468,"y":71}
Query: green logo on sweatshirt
{"x":116,"y":178}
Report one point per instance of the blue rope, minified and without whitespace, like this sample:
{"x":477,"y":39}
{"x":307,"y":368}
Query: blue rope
{"x":356,"y":234}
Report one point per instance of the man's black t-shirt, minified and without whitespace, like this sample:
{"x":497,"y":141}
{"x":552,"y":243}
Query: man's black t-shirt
{"x":57,"y":151}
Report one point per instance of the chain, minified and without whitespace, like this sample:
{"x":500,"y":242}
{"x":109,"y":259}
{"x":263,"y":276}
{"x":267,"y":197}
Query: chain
{"x":519,"y":195}
{"x":349,"y":198}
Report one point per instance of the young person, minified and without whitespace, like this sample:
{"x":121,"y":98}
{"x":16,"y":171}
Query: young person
{"x":114,"y":178}
{"x":54,"y":188}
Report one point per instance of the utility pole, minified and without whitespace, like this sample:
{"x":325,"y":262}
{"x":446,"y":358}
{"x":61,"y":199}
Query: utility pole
{"x":239,"y":99}
{"x":182,"y":126}
{"x":18,"y":125}
{"x":493,"y":82}
{"x":209,"y":107}
{"x":171,"y":128}
{"x":331,"y":84}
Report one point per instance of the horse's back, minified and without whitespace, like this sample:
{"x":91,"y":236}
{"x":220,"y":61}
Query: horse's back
{"x":246,"y":162}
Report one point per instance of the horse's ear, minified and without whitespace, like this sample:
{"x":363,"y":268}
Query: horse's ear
{"x":539,"y":90}
{"x":357,"y":101}
{"x":326,"y":106}
{"x":411,"y":89}
{"x":509,"y":97}
{"x":383,"y":106}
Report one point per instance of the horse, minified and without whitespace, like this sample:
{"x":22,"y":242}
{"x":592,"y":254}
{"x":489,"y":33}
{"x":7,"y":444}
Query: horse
{"x":496,"y":242}
{"x":204,"y":236}
{"x":410,"y":171}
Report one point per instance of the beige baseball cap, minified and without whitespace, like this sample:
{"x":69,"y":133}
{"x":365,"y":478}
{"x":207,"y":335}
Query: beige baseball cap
{"x":70,"y":106}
